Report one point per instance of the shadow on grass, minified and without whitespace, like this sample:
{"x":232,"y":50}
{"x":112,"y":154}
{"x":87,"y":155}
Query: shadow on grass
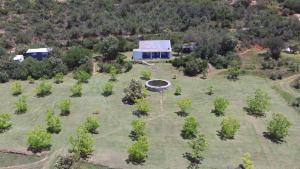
{"x":106,"y":94}
{"x":39,"y":150}
{"x":272,"y":138}
{"x":139,"y":114}
{"x":222,"y":136}
{"x":135,"y":162}
{"x":146,"y":79}
{"x":133,"y":136}
{"x":217,"y":113}
{"x":76,"y":95}
{"x":182,"y":113}
{"x":4,"y":129}
{"x":40,"y":95}
{"x":65,"y":113}
{"x":194,"y":161}
{"x":18,"y":112}
{"x":251,"y":113}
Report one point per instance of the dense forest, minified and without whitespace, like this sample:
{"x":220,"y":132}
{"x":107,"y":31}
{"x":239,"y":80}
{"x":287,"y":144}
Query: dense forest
{"x":218,"y":27}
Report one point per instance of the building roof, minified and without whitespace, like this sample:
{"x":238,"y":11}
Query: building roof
{"x":39,"y":50}
{"x":161,"y":45}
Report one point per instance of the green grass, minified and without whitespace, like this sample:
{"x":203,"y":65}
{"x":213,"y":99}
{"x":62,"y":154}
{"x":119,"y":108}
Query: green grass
{"x":285,"y":95}
{"x":163,"y":124}
{"x":11,"y":159}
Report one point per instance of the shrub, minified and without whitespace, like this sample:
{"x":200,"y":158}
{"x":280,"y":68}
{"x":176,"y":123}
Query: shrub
{"x":110,"y":48}
{"x":30,"y":79}
{"x":91,"y":124}
{"x":107,"y":89}
{"x":220,"y":104}
{"x":138,"y":127}
{"x":138,"y":150}
{"x":146,"y":74}
{"x":178,"y":91}
{"x":247,"y":162}
{"x":82,"y":143}
{"x":259,"y":103}
{"x":199,"y":146}
{"x":16,"y":88}
{"x":76,"y":56}
{"x":184,"y":105}
{"x":43,"y":89}
{"x":292,"y":4}
{"x":64,"y":162}
{"x":229,"y":127}
{"x":133,"y":92}
{"x":234,"y":73}
{"x":142,"y":105}
{"x":190,"y":128}
{"x":59,"y":78}
{"x":113,"y":73}
{"x":5,"y":122}
{"x":279,"y":126}
{"x":3,"y":77}
{"x":53,"y":122}
{"x":65,"y":107}
{"x":82,"y":76}
{"x":76,"y":89}
{"x":39,"y":139}
{"x":210,"y":90}
{"x":21,"y":105}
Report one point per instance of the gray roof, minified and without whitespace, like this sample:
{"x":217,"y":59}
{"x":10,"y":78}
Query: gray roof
{"x":161,"y":45}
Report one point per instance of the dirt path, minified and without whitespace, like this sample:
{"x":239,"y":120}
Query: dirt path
{"x":285,"y":84}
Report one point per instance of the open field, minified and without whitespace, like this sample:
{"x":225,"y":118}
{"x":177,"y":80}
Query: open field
{"x":163,"y":124}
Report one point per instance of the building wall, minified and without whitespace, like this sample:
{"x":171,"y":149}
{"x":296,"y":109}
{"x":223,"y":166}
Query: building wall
{"x":137,"y":55}
{"x":151,"y":55}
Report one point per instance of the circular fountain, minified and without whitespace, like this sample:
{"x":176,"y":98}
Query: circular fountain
{"x":158,"y":85}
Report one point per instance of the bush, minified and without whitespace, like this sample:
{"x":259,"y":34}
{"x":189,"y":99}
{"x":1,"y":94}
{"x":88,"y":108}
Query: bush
{"x":30,"y":79}
{"x":259,"y":103}
{"x":178,"y":91}
{"x":53,"y":122}
{"x":293,"y":5}
{"x":199,"y":146}
{"x":82,"y":76}
{"x":229,"y":127}
{"x":76,"y":89}
{"x":76,"y":56}
{"x":221,"y":105}
{"x":279,"y":126}
{"x":59,"y":78}
{"x":138,"y":150}
{"x":234,"y":73}
{"x":39,"y":139}
{"x":210,"y":90}
{"x":184,"y":105}
{"x":21,"y":105}
{"x":190,"y":128}
{"x":195,"y":67}
{"x":146,"y":74}
{"x":107,"y":89}
{"x":247,"y":162}
{"x":133,"y":92}
{"x":64,"y":162}
{"x":91,"y":124}
{"x":5,"y":122}
{"x":142,"y":105}
{"x":65,"y":107}
{"x":113,"y":73}
{"x":110,"y":48}
{"x":138,"y":127}
{"x":16,"y":88}
{"x":43,"y":89}
{"x":3,"y":77}
{"x":82,"y":143}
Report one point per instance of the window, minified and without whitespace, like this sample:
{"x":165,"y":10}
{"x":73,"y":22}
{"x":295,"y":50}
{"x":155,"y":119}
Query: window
{"x":156,"y":55}
{"x":165,"y":55}
{"x":146,"y":55}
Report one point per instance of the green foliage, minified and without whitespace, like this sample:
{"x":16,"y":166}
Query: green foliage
{"x":82,"y":143}
{"x":184,"y":104}
{"x":59,"y":78}
{"x":190,"y":128}
{"x":138,"y":127}
{"x":221,"y":105}
{"x":43,"y":89}
{"x":133,"y":92}
{"x":138,"y":150}
{"x":5,"y":122}
{"x":259,"y":103}
{"x":146,"y":74}
{"x":76,"y":56}
{"x":234,"y":73}
{"x":142,"y":105}
{"x":30,"y":79}
{"x":113,"y":73}
{"x":292,"y":4}
{"x":39,"y":139}
{"x":275,"y":45}
{"x":91,"y":124}
{"x":81,"y":76}
{"x":16,"y":88}
{"x":3,"y":77}
{"x":76,"y":89}
{"x":178,"y":91}
{"x":279,"y":126}
{"x":64,"y":106}
{"x":198,"y":145}
{"x":107,"y":89}
{"x":110,"y":48}
{"x":229,"y":126}
{"x":210,"y":90}
{"x":247,"y":162}
{"x":21,"y":105}
{"x":53,"y":122}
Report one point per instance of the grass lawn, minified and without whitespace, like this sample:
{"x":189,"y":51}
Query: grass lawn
{"x":163,"y":124}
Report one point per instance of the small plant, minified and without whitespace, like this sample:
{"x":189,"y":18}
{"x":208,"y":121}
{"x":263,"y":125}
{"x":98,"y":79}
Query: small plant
{"x":199,"y":146}
{"x":82,"y":76}
{"x":82,"y":143}
{"x":43,"y":89}
{"x":211,"y":90}
{"x":53,"y":122}
{"x":16,"y":88}
{"x":278,"y":127}
{"x":91,"y":124}
{"x":247,"y":162}
{"x":220,"y":104}
{"x":259,"y":103}
{"x":21,"y":105}
{"x":5,"y":122}
{"x":30,"y":79}
{"x":184,"y":105}
{"x":178,"y":91}
{"x":59,"y":78}
{"x":76,"y":89}
{"x":138,"y":127}
{"x":113,"y":73}
{"x":229,"y":127}
{"x":142,"y":105}
{"x":133,"y":92}
{"x":65,"y":107}
{"x":39,"y":139}
{"x":146,"y":74}
{"x":234,"y":73}
{"x":190,"y":128}
{"x":107,"y":89}
{"x":138,"y":150}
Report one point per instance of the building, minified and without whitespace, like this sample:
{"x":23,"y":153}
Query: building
{"x":153,"y":49}
{"x":188,"y":47}
{"x":39,"y":54}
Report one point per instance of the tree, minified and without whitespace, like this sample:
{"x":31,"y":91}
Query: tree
{"x":110,"y":48}
{"x":5,"y":122}
{"x":259,"y":103}
{"x":107,"y":89}
{"x":4,"y":77}
{"x":21,"y":105}
{"x":275,"y":45}
{"x":91,"y":124}
{"x":113,"y":73}
{"x":43,"y":89}
{"x":133,"y":92}
{"x":64,"y":106}
{"x":76,"y":89}
{"x":53,"y":122}
{"x":16,"y":88}
{"x":138,"y":150}
{"x":184,"y":105}
{"x":229,"y":127}
{"x":39,"y":139}
{"x":142,"y":105}
{"x":59,"y":78}
{"x":247,"y":162}
{"x":146,"y":74}
{"x":221,"y":105}
{"x":199,"y":146}
{"x":76,"y":56}
{"x":138,"y":128}
{"x":30,"y":79}
{"x":210,"y":90}
{"x":278,"y":127}
{"x":234,"y":73}
{"x":178,"y":91}
{"x":190,"y":128}
{"x":82,"y":76}
{"x":82,"y":143}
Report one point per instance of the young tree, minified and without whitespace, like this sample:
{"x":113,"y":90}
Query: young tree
{"x":190,"y":128}
{"x":138,"y":150}
{"x":178,"y":91}
{"x":82,"y":143}
{"x":134,"y":91}
{"x":64,"y":106}
{"x":229,"y":127}
{"x":210,"y":90}
{"x":142,"y":105}
{"x":53,"y":122}
{"x":110,"y":48}
{"x":107,"y":89}
{"x":30,"y":79}
{"x":5,"y":122}
{"x":59,"y":78}
{"x":39,"y":139}
{"x":82,"y":76}
{"x":21,"y":105}
{"x":146,"y":74}
{"x":138,"y":127}
{"x":184,"y":105}
{"x":278,"y":127}
{"x":234,"y":73}
{"x":259,"y":103}
{"x":247,"y":162}
{"x":43,"y":89}
{"x":91,"y":124}
{"x":16,"y":88}
{"x":76,"y":89}
{"x":221,"y":105}
{"x":113,"y":73}
{"x":199,"y":146}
